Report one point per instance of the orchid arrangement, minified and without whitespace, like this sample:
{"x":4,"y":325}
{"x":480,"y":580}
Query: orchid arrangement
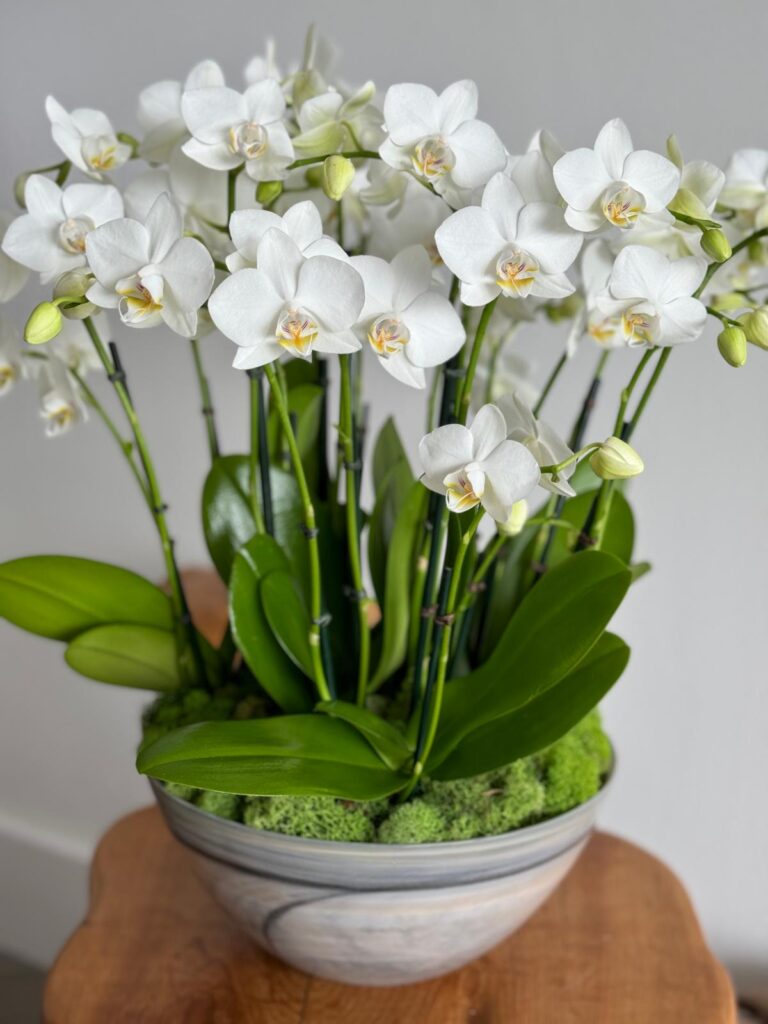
{"x":458,"y":622}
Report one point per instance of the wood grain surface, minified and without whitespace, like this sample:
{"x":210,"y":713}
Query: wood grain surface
{"x":618,"y":943}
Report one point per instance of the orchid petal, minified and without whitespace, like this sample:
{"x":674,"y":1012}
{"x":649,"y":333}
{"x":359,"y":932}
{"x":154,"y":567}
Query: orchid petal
{"x":488,"y":429}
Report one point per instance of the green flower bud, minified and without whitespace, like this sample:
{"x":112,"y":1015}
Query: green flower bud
{"x":616,"y":460}
{"x":306,"y":84}
{"x":756,"y":252}
{"x":44,"y":323}
{"x":72,"y":286}
{"x":716,"y":245}
{"x":566,"y":309}
{"x":732,"y":343}
{"x":267,"y":192}
{"x":338,"y":175}
{"x":674,"y":153}
{"x":688,"y":204}
{"x":728,"y":301}
{"x":19,"y":188}
{"x":516,"y":521}
{"x":314,"y":176}
{"x":755,"y":326}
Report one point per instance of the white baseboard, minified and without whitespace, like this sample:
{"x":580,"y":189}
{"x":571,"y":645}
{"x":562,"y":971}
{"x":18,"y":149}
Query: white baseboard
{"x":43,"y":890}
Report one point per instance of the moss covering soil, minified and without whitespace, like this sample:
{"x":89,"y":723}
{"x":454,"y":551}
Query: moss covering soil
{"x":525,"y":792}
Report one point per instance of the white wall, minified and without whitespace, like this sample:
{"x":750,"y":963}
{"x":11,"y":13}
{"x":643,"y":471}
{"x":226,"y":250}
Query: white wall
{"x":689,"y":716}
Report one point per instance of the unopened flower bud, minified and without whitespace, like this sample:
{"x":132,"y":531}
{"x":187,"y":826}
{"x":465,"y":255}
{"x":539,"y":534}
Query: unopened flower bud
{"x":728,"y":301}
{"x":566,"y":309}
{"x":756,"y":252}
{"x":688,"y":204}
{"x":73,"y":285}
{"x":338,"y":175}
{"x":732,"y":343}
{"x":314,"y":176}
{"x":306,"y":84}
{"x":19,"y":188}
{"x":44,"y":323}
{"x":716,"y":245}
{"x":268,"y":191}
{"x":755,"y":326}
{"x":616,"y":460}
{"x":516,"y":521}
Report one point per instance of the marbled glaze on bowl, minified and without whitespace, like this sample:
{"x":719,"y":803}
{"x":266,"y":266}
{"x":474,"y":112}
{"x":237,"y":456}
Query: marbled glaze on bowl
{"x":372,"y":914}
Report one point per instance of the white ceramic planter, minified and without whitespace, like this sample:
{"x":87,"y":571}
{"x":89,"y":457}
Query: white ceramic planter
{"x":371,"y":914}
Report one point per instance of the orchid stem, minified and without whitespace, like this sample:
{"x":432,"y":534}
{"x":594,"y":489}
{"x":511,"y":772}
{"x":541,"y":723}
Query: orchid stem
{"x":550,"y":383}
{"x":258,"y":459}
{"x":462,"y":404}
{"x":318,"y":621}
{"x":207,"y":409}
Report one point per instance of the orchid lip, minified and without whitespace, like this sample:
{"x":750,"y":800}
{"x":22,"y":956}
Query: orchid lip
{"x":433,"y":158}
{"x":249,"y":139}
{"x":296,"y":331}
{"x":72,"y":234}
{"x":516,"y":272}
{"x":388,"y":335}
{"x":621,"y":204}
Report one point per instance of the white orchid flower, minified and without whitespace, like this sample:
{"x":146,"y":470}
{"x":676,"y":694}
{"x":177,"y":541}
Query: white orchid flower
{"x":60,"y":405}
{"x":290,"y":304}
{"x":439,"y":137}
{"x":87,"y":138}
{"x":260,"y":67}
{"x":10,"y":356}
{"x":230,"y":129}
{"x":653,"y":296}
{"x":73,"y":346}
{"x":409,"y":325}
{"x":159,"y":112}
{"x":50,"y":237}
{"x":301,"y":223}
{"x":13,"y":276}
{"x":149,"y":272}
{"x":507,"y":246}
{"x":595,"y":265}
{"x":532,"y":172}
{"x":478,"y":465}
{"x":746,"y":185}
{"x":330,"y":122}
{"x":412,"y":221}
{"x":612,"y":183}
{"x":541,"y":440}
{"x":503,"y":372}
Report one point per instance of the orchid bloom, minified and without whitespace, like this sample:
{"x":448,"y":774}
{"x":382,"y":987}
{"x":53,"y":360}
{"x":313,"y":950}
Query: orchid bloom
{"x":541,"y":440}
{"x":230,"y":129}
{"x":87,"y":138}
{"x":50,"y":237}
{"x":595,"y":264}
{"x":60,"y":405}
{"x":509,"y":247}
{"x":10,"y":362}
{"x":478,"y":465}
{"x":149,"y":272}
{"x":653,"y":297}
{"x":301,"y":223}
{"x":13,"y":275}
{"x":746,"y":185}
{"x":289,"y":304}
{"x":260,"y":67}
{"x":439,"y":137}
{"x":409,"y":325}
{"x":159,"y":113}
{"x":612,"y":183}
{"x":329,"y":122}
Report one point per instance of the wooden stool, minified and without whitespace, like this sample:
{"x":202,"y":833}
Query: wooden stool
{"x":618,"y":943}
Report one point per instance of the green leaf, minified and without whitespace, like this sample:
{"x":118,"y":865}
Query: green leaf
{"x":251,"y":630}
{"x":391,"y":496}
{"x":287,"y":616}
{"x":543,"y":719}
{"x":126,"y":655}
{"x":618,"y":536}
{"x":228,"y":520}
{"x":388,"y":742}
{"x":387,"y":452}
{"x":639,"y":569}
{"x":299,"y":755}
{"x":58,"y":596}
{"x":305,"y":403}
{"x":399,"y":572}
{"x":554,"y":627}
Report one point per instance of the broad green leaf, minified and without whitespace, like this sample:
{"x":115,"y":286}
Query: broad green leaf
{"x":287,"y":617}
{"x":297,"y":755}
{"x":305,"y":403}
{"x":58,"y":596}
{"x":554,"y":627}
{"x":228,"y":519}
{"x":390,"y":498}
{"x":388,"y":742}
{"x":398,"y":581}
{"x":387,"y":452}
{"x":542,"y":720}
{"x":618,"y":536}
{"x":126,"y":655}
{"x":274,"y":670}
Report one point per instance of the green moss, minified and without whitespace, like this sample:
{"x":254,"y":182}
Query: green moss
{"x":414,"y":822}
{"x":187,"y":793}
{"x":573,"y":767}
{"x":223,"y":805}
{"x":314,"y":817}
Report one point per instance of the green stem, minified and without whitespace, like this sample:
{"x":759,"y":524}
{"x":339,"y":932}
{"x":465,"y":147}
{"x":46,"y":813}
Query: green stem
{"x":307,"y":161}
{"x":626,"y":393}
{"x":574,"y":457}
{"x":232,"y":191}
{"x":346,"y":435}
{"x":550,"y":383}
{"x":462,"y":403}
{"x":256,"y":462}
{"x":629,"y":428}
{"x":205,"y":394}
{"x":191,"y":664}
{"x":310,"y":529}
{"x":713,"y":267}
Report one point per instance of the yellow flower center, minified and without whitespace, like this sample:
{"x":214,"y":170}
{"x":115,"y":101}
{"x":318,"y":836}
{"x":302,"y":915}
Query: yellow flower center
{"x":100,"y":152}
{"x":622,"y":205}
{"x":59,"y":416}
{"x":640,"y":325}
{"x":432,"y":158}
{"x":516,"y":272}
{"x":140,"y":299}
{"x":388,"y":336}
{"x":296,"y":331}
{"x":8,"y":375}
{"x":72,"y":234}
{"x":603,"y":331}
{"x":460,"y":493}
{"x":248,"y":139}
